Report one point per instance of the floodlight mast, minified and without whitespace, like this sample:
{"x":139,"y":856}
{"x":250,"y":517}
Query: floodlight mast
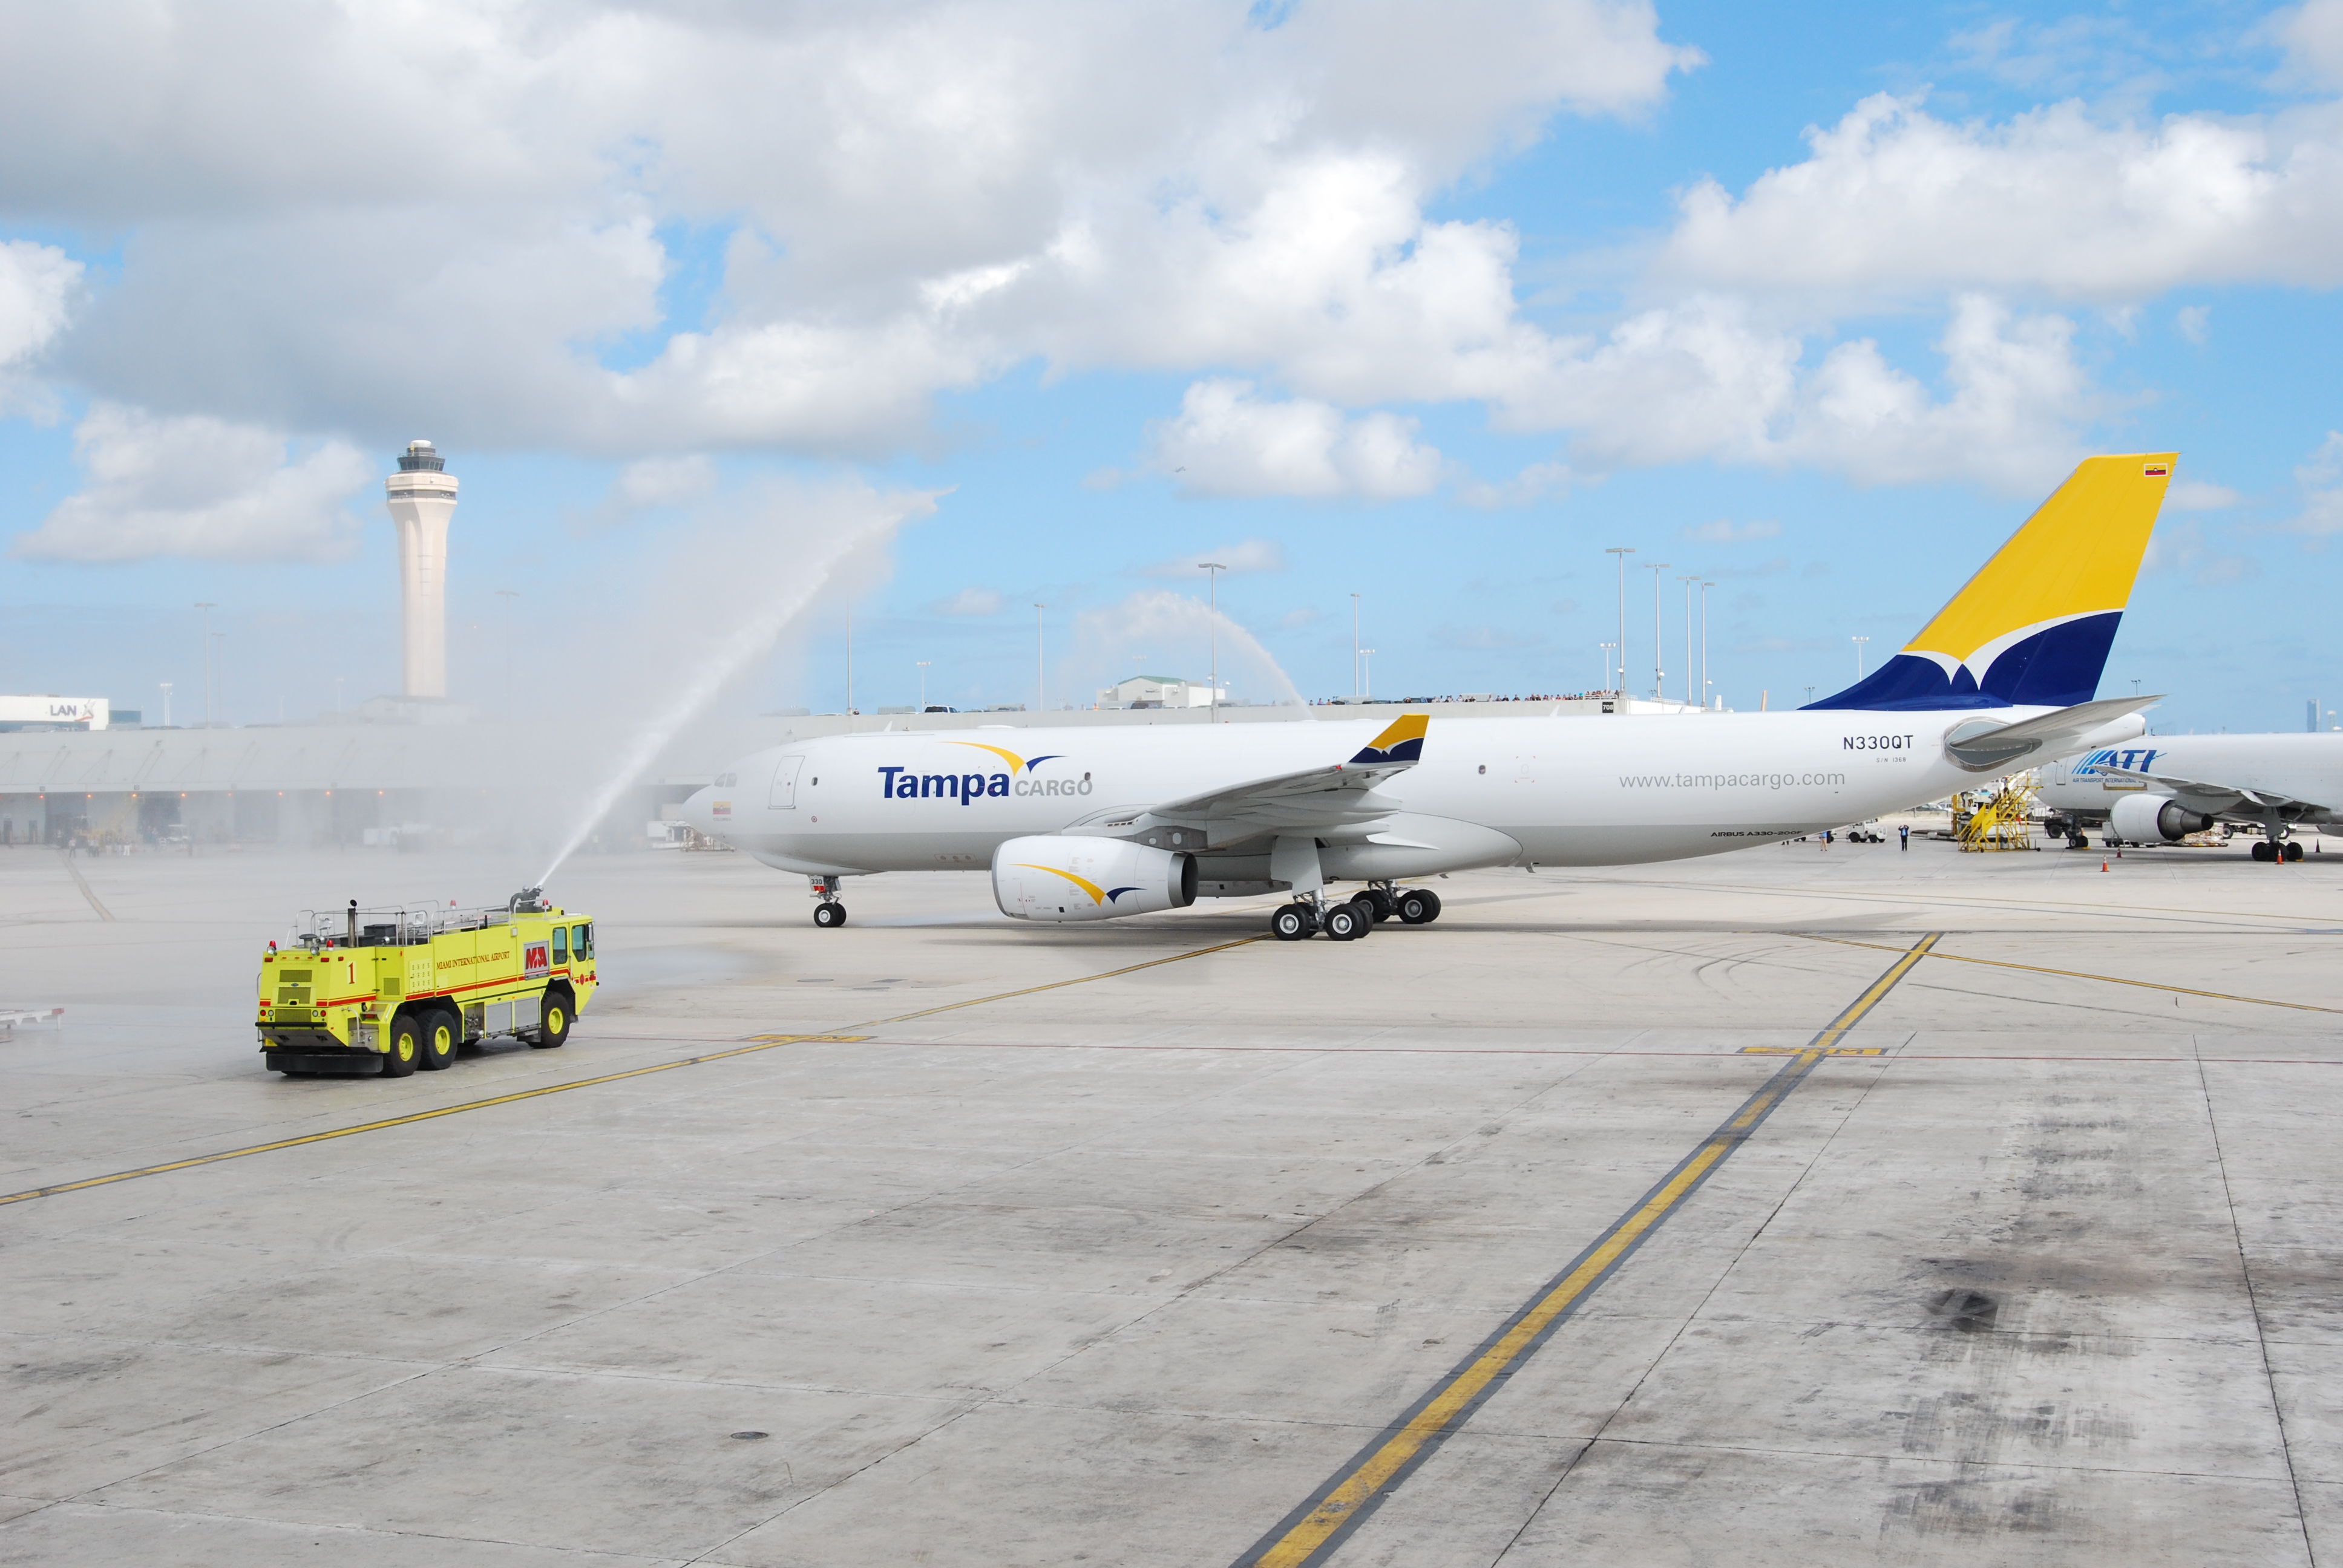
{"x":1623,"y":552}
{"x":1212,"y":570}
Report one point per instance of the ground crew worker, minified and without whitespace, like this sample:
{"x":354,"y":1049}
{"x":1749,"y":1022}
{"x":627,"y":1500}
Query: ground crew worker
{"x":1904,"y":835}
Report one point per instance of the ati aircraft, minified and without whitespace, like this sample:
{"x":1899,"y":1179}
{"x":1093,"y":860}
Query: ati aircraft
{"x":2161,"y":790}
{"x":1091,"y":824}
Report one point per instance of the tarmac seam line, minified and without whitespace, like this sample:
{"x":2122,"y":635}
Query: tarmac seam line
{"x":1320,"y":1522}
{"x":759,"y":1043}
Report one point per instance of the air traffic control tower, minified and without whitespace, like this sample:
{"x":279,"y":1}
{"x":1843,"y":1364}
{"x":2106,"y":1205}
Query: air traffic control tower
{"x":422,"y":500}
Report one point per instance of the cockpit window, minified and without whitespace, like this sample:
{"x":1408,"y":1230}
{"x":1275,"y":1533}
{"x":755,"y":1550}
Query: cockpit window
{"x":727,"y":780}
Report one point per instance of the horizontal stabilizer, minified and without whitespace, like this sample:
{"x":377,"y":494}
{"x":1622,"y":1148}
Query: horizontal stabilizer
{"x":1981,"y":744}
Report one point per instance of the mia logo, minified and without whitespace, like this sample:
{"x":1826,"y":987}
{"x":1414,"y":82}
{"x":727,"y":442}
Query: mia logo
{"x":533,"y":958}
{"x":911,"y":784}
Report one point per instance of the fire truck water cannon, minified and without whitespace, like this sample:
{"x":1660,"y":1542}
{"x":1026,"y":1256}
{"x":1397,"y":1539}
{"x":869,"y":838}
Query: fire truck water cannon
{"x":361,"y":993}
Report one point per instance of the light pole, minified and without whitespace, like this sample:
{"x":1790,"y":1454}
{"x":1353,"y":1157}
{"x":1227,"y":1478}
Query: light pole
{"x":1040,"y":682}
{"x":508,"y":595}
{"x":1687,"y":582}
{"x":1704,"y":642}
{"x":850,"y":669}
{"x":221,"y":659}
{"x":167,"y":705}
{"x":1212,"y":570}
{"x":1606,"y":647}
{"x":208,"y":606}
{"x":1367,"y":678}
{"x":1623,"y":552}
{"x":1354,"y":645}
{"x":1810,"y":697}
{"x":1655,"y":568}
{"x":923,"y":682}
{"x":1858,"y":642}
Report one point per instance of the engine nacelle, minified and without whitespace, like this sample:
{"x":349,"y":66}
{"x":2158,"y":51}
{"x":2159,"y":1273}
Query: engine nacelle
{"x":1047,"y":877}
{"x":2144,"y":819}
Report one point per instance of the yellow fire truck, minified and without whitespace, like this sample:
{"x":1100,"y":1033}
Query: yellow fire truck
{"x":360,"y":991}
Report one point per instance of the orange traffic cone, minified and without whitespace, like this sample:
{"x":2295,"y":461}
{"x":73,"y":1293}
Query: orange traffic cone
{"x":2103,"y":863}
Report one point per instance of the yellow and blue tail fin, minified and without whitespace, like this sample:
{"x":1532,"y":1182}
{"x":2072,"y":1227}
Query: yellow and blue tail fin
{"x":1402,"y":742}
{"x":2033,"y":628}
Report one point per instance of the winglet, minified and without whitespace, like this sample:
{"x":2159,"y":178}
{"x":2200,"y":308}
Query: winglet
{"x":2034,"y":626}
{"x":1403,"y":742}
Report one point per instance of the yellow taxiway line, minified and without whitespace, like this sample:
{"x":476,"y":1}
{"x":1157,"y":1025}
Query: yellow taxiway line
{"x":2081,"y":974}
{"x":759,"y":1042}
{"x":1319,"y":1524}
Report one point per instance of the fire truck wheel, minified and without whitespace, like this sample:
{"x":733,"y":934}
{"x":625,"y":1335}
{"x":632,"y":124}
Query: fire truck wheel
{"x":554,"y":1030}
{"x":443,"y":1031}
{"x":406,"y":1046}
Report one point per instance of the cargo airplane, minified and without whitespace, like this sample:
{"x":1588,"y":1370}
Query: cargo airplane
{"x":1096,"y":823}
{"x":2162,"y":789}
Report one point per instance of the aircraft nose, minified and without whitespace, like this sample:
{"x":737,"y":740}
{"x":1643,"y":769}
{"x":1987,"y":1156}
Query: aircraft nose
{"x":699,"y":810}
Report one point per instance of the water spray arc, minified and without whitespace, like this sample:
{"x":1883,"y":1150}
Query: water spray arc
{"x":723,"y":661}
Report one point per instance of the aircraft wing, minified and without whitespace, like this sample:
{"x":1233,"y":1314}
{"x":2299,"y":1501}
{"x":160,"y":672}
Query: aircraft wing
{"x":2197,"y":792}
{"x":1333,"y":795}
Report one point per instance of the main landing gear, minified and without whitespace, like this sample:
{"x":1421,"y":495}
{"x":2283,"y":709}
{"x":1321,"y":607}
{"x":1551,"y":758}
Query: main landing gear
{"x":1354,"y":918}
{"x":2286,"y":850}
{"x":828,"y":913}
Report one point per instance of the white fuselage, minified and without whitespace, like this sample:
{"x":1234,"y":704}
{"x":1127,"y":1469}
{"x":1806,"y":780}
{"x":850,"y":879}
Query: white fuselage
{"x":2306,"y":768}
{"x":1555,"y":791}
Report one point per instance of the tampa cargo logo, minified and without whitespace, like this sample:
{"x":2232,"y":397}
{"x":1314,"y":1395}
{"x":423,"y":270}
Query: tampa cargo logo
{"x":967,"y":788}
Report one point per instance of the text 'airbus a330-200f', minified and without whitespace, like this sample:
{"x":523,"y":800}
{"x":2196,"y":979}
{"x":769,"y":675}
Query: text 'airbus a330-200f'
{"x":1096,"y":823}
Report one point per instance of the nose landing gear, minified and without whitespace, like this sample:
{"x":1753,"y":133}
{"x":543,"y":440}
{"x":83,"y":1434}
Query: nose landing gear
{"x":828,"y":913}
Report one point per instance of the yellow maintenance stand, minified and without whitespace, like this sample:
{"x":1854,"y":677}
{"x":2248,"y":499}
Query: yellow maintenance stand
{"x":362,"y":991}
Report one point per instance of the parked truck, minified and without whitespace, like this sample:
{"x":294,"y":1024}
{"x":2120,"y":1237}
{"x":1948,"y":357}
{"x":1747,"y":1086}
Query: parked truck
{"x":386,"y":991}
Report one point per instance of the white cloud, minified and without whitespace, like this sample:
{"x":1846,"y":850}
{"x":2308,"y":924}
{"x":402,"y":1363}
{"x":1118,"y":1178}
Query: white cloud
{"x":2195,"y":322}
{"x":38,"y":284}
{"x":1725,"y":531}
{"x":2197,"y":496}
{"x":1533,"y":483}
{"x":2313,"y":37}
{"x":199,"y":488}
{"x":968,"y":601}
{"x":2321,"y":480}
{"x":1227,"y":442}
{"x":665,"y":481}
{"x":1251,"y":555}
{"x":1894,"y":200}
{"x":448,"y":206}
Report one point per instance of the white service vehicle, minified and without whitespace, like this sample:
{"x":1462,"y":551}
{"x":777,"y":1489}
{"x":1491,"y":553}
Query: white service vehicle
{"x":1088,"y":824}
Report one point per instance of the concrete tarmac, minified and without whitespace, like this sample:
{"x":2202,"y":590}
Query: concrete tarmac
{"x":1121,"y":1244}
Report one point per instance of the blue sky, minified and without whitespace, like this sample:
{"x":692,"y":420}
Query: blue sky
{"x":1407,"y":303}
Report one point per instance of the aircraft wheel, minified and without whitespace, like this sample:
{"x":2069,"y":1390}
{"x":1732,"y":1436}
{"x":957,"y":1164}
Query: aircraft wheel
{"x":2078,"y":841}
{"x":1386,"y":907}
{"x":442,"y":1031}
{"x":2293,"y":851}
{"x":554,"y":1017}
{"x":1419,"y":907}
{"x":1348,"y":922}
{"x":2261,"y":850}
{"x":830,"y":916}
{"x":406,"y":1046}
{"x":1291,"y":923}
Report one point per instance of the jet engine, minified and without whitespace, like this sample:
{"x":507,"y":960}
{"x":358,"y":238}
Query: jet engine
{"x":2144,"y":819}
{"x":1049,"y":878}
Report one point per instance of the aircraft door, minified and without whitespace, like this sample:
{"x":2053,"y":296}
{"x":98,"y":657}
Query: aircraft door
{"x":785,"y":784}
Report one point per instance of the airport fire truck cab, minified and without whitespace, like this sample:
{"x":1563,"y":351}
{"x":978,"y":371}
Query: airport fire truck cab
{"x":362,"y":991}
